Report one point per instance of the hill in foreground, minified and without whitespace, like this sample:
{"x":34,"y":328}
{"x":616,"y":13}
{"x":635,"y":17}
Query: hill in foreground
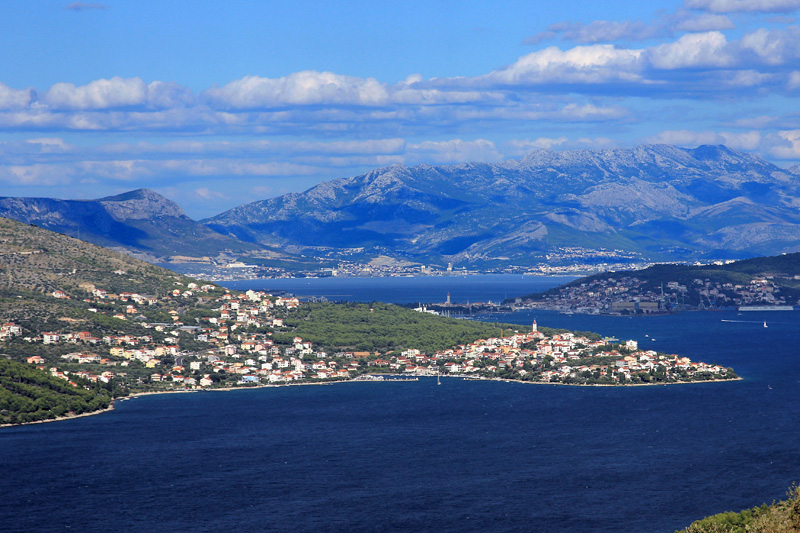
{"x":780,"y":517}
{"x":45,"y":275}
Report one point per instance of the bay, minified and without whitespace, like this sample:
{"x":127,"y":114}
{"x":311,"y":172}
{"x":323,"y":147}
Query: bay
{"x":405,"y":290}
{"x":463,"y":456}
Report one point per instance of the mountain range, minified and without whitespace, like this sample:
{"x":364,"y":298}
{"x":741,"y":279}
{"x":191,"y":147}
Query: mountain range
{"x":659,"y":201}
{"x":662,"y":201}
{"x":139,"y":221}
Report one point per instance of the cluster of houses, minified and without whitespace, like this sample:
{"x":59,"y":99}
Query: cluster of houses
{"x":232,"y":344}
{"x":230,"y":353}
{"x":563,"y":357}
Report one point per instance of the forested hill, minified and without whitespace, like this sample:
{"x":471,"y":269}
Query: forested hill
{"x":385,"y":327}
{"x":28,"y":394}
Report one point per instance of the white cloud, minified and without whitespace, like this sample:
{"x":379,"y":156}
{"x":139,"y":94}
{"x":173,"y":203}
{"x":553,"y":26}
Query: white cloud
{"x":776,"y":47}
{"x":582,"y":64}
{"x":788,"y":145}
{"x":686,"y":21}
{"x":49,"y":144}
{"x":794,"y":80}
{"x":85,"y":6}
{"x":300,"y":88}
{"x":693,"y":50}
{"x":519,"y":147}
{"x":750,"y":140}
{"x":165,"y":95}
{"x":734,"y":6}
{"x":207,"y":194}
{"x":600,"y":31}
{"x":452,"y":151}
{"x":100,"y":94}
{"x":570,"y":85}
{"x":35,"y":175}
{"x":607,"y":31}
{"x":15,"y":98}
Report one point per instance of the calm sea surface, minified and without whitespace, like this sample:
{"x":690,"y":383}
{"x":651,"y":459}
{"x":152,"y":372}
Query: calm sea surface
{"x":422,"y":289}
{"x":463,"y":456}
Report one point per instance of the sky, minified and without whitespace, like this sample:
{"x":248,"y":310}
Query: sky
{"x":216,"y":104}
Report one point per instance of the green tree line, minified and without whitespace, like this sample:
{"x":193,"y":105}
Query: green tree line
{"x":383,"y":327}
{"x":28,"y":394}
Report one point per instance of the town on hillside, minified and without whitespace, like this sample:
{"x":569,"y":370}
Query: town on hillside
{"x":207,"y":337}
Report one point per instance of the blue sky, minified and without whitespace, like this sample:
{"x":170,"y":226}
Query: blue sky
{"x":215,"y":104}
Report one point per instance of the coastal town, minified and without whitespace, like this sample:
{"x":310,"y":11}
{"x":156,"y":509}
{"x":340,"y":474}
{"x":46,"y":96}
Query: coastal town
{"x":381,"y":262}
{"x":204,"y":336}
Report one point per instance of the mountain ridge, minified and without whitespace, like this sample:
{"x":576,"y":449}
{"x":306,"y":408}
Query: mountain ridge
{"x":546,"y":200}
{"x":652,"y":202}
{"x":137,"y":221}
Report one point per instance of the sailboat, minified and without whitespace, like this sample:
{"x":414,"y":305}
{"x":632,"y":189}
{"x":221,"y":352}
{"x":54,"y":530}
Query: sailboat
{"x":438,"y":379}
{"x":765,"y":323}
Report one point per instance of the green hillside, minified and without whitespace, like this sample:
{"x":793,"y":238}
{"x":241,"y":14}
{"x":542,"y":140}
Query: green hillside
{"x":384,"y":327}
{"x":28,"y":394}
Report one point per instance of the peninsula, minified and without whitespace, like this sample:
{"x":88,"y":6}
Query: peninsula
{"x":763,"y":283}
{"x":101,"y":320}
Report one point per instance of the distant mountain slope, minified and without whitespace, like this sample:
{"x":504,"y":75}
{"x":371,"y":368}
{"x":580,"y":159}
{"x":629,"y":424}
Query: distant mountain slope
{"x":663,"y":201}
{"x":139,"y":220}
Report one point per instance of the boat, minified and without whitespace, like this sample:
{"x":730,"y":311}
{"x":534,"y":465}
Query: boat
{"x":765,"y":323}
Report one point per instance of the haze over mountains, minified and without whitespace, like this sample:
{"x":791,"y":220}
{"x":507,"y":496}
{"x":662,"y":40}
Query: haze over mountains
{"x":139,"y":221}
{"x":661,"y":201}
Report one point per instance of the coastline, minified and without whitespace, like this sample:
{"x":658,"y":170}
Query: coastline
{"x":617,"y":385}
{"x":354,"y":380}
{"x":61,"y":418}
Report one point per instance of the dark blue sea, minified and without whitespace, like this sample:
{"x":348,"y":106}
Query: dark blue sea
{"x":420,"y":289}
{"x":414,"y":456}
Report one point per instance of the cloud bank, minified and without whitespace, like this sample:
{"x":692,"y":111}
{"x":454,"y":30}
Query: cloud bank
{"x":697,"y":75}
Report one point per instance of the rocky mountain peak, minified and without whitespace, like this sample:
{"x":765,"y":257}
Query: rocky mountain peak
{"x":141,"y":204}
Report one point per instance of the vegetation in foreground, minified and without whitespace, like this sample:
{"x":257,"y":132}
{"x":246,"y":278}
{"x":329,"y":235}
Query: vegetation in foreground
{"x":28,"y":394}
{"x":780,"y":517}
